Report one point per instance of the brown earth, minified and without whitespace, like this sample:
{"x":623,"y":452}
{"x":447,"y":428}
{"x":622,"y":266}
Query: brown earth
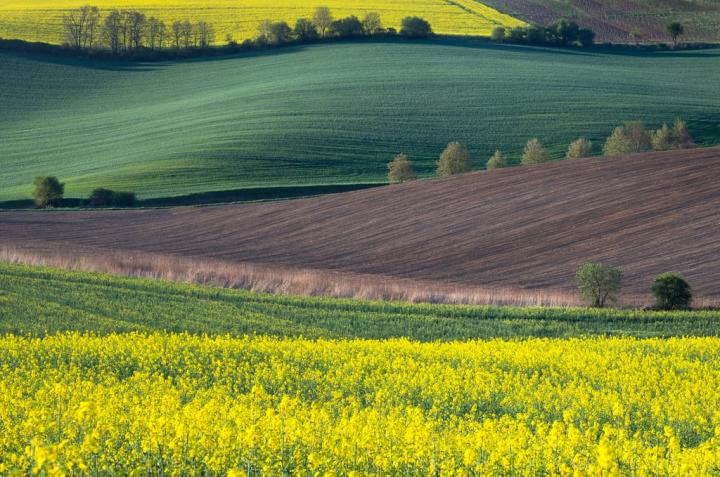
{"x":519,"y":228}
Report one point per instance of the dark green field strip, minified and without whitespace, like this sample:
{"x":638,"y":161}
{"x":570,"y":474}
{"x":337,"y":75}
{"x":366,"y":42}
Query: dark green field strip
{"x":326,"y":114}
{"x":259,"y":194}
{"x":37,"y":301}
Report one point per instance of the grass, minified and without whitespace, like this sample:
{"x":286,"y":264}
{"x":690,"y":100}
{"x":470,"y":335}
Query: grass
{"x":327,"y":114}
{"x":41,"y":20}
{"x":39,"y":301}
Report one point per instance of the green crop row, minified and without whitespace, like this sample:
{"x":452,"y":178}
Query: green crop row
{"x":39,"y":301}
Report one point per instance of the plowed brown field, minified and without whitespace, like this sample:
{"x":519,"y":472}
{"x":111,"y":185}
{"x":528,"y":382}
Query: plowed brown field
{"x":524,"y":228}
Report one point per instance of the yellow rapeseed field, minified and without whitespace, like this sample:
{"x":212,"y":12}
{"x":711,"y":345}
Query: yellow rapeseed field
{"x":184,"y":405}
{"x":41,"y":20}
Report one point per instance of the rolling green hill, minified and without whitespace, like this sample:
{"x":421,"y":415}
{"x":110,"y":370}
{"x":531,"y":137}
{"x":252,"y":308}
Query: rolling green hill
{"x":327,"y":114}
{"x":41,"y":301}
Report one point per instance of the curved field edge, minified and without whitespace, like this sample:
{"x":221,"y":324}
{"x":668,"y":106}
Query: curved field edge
{"x":326,"y":114}
{"x":39,"y":301}
{"x":38,"y":20}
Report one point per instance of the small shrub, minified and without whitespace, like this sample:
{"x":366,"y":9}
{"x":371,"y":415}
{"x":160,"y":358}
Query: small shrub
{"x":400,"y":170}
{"x":534,"y":153}
{"x":672,"y":292}
{"x":598,"y":283}
{"x":498,"y":34}
{"x":455,"y":159}
{"x":47,"y":192}
{"x":578,"y":149}
{"x":415,"y":27}
{"x":497,"y":161}
{"x":109,"y":198}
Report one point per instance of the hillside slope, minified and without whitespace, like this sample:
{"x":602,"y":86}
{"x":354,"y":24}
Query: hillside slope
{"x":327,"y":114}
{"x":613,"y":20}
{"x":520,"y":227}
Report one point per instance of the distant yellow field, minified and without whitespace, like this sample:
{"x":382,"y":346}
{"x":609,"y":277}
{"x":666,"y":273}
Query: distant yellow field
{"x":41,"y":20}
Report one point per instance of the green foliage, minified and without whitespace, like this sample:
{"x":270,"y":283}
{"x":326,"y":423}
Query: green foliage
{"x":586,"y":37}
{"x":256,"y":110}
{"x":675,"y":30}
{"x":662,"y":139}
{"x":631,"y":137}
{"x":41,"y":301}
{"x":578,"y":149}
{"x":455,"y":159}
{"x":534,"y":153}
{"x":598,"y":283}
{"x":274,"y":33}
{"x":497,"y":161}
{"x":415,"y":27}
{"x":498,"y":34}
{"x":672,"y":292}
{"x":305,"y":30}
{"x":47,"y":191}
{"x":347,"y":27}
{"x":110,"y":198}
{"x":400,"y":170}
{"x":682,"y":139}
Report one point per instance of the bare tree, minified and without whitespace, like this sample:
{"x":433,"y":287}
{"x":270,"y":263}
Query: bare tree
{"x":372,"y":23}
{"x":112,"y":31}
{"x":186,"y":32}
{"x":80,"y":27}
{"x":205,"y":33}
{"x":177,"y":34}
{"x":136,"y":26}
{"x":155,"y":33}
{"x":323,"y":20}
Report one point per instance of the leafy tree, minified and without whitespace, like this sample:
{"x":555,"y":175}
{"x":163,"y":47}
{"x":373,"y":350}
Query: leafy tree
{"x":586,"y":37}
{"x":455,"y":159}
{"x":518,"y":35}
{"x":682,"y":139}
{"x":618,"y":144}
{"x":662,"y":139}
{"x":401,"y":170}
{"x":347,"y":27}
{"x":305,"y":30}
{"x":672,"y":292}
{"x":598,"y":283}
{"x":323,"y":20}
{"x":536,"y":35}
{"x":47,"y":192}
{"x":566,"y":32}
{"x":498,"y":34}
{"x":497,"y":161}
{"x":534,"y":153}
{"x":675,"y":30}
{"x":274,"y":33}
{"x":638,"y":134}
{"x":372,"y":24}
{"x":415,"y":27}
{"x":578,"y":149}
